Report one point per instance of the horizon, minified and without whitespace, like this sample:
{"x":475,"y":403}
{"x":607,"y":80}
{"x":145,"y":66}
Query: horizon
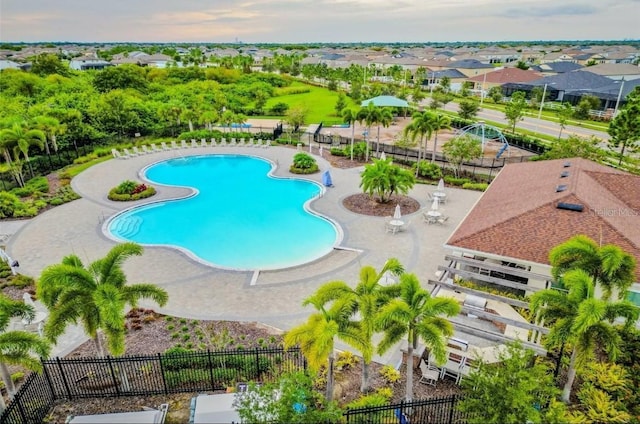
{"x":331,"y":21}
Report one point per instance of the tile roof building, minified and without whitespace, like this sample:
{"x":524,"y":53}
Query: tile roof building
{"x":533,"y":206}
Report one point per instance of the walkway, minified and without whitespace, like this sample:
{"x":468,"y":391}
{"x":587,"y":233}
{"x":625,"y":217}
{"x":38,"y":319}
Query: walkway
{"x":197,"y":291}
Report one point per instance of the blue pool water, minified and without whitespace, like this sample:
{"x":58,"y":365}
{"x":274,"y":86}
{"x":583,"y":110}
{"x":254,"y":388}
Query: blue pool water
{"x":240,"y":218}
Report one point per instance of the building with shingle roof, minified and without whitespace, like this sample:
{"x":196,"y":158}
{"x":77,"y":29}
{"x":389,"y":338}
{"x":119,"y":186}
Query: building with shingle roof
{"x":503,"y":76}
{"x":531,"y":207}
{"x":557,"y":85}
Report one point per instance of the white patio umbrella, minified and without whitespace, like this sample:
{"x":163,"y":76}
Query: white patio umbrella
{"x":397,"y":214}
{"x":441,"y":185}
{"x":383,"y":156}
{"x":434,"y":205}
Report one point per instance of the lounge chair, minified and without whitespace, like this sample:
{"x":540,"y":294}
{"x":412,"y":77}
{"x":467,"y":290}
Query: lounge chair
{"x":258,"y":143}
{"x":146,"y":149}
{"x":241,"y":142}
{"x":155,"y":148}
{"x":128,"y":153}
{"x":223,"y":141}
{"x":137,"y":151}
{"x":174,"y":145}
{"x":267,"y":144}
{"x":203,"y":142}
{"x":184,"y":144}
{"x":233,"y":142}
{"x":194,"y":143}
{"x":117,"y":155}
{"x":213,"y":142}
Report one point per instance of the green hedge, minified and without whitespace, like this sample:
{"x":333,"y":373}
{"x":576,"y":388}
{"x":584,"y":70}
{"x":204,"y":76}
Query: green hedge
{"x":115,"y":196}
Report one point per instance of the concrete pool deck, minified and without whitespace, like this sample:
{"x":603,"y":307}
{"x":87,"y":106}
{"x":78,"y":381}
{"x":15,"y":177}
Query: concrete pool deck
{"x":198,"y":291}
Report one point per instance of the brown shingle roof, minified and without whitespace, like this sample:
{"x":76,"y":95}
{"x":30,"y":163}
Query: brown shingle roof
{"x":517,"y":216}
{"x":505,"y":75}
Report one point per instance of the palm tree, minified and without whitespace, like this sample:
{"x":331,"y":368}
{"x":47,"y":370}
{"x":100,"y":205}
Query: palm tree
{"x":18,"y":139}
{"x":316,"y":337}
{"x":350,"y":117}
{"x":51,"y":127}
{"x":96,"y":295}
{"x":610,"y":268}
{"x":417,"y":315}
{"x":383,"y":179}
{"x":420,"y":126}
{"x":208,"y":118}
{"x":366,"y":299}
{"x":579,"y":318}
{"x":18,"y":347}
{"x":385,"y":118}
{"x":439,"y":122}
{"x":369,"y":115}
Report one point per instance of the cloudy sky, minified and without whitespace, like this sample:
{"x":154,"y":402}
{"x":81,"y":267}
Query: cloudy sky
{"x":293,"y":21}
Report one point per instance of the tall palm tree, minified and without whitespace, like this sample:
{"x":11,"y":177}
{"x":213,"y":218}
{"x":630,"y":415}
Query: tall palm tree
{"x":385,"y":118}
{"x":438,"y":122}
{"x":421,"y":125}
{"x":350,"y":117}
{"x":579,"y":318}
{"x":96,"y":295}
{"x":18,"y":347}
{"x":416,"y":315}
{"x":316,"y":337}
{"x":610,"y":268}
{"x":365,"y":298}
{"x":370,"y":115}
{"x":19,"y":139}
{"x":51,"y":127}
{"x":383,"y":179}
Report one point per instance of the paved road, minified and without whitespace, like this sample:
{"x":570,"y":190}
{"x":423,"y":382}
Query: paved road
{"x":534,"y":124}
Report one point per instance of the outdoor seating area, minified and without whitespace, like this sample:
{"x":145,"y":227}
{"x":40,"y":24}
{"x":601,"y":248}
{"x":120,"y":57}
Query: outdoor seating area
{"x":184,"y":145}
{"x":395,"y":223}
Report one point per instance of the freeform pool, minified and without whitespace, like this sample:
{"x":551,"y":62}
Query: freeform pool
{"x":239,"y":217}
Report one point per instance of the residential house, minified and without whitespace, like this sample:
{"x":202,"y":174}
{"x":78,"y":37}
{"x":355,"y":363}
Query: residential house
{"x":557,"y":85}
{"x":557,"y":57}
{"x":88,"y":63}
{"x":554,"y":68}
{"x":616,"y":71}
{"x":502,"y":76}
{"x":612,"y":96}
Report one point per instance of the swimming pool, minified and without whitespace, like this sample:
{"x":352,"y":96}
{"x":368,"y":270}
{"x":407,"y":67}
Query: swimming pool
{"x":239,"y":217}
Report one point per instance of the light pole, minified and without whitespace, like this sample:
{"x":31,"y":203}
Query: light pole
{"x":615,"y":111}
{"x":544,"y":93}
{"x":484,"y":80}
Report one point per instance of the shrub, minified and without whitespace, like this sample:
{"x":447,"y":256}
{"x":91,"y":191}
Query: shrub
{"x":8,"y":204}
{"x":456,"y":181}
{"x":303,"y":164}
{"x":429,"y":170}
{"x":475,"y":186}
{"x":126,"y":187}
{"x":390,"y":374}
{"x":279,"y":109}
{"x":130,"y":190}
{"x":337,"y":151}
{"x":21,"y":281}
{"x":346,"y":360}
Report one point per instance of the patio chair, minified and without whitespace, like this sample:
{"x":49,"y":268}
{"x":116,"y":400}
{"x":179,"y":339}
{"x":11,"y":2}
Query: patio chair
{"x":267,"y":144}
{"x":146,"y":149}
{"x":442,"y":220}
{"x":203,"y":142}
{"x":429,"y":219}
{"x":194,"y":143}
{"x":453,"y":367}
{"x":233,"y":142}
{"x":137,"y":151}
{"x":213,"y":142}
{"x":183,"y":144}
{"x":223,"y":141}
{"x":155,"y":148}
{"x":258,"y":143}
{"x":430,"y":374}
{"x":241,"y":142}
{"x":117,"y":155}
{"x":128,"y":153}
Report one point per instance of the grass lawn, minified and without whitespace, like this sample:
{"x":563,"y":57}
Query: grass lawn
{"x":319,"y":101}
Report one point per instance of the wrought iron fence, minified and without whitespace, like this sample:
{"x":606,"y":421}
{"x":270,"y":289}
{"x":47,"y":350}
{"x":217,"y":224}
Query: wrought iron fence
{"x":166,"y":373}
{"x":441,"y":410}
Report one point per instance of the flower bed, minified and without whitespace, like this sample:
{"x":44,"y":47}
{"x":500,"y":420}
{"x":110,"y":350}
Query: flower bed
{"x":130,"y":190}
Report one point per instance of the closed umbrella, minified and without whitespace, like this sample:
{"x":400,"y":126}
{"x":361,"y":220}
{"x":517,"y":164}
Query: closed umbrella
{"x":434,"y":205}
{"x":441,"y":185}
{"x":326,"y":179}
{"x":383,"y":156}
{"x":397,"y":214}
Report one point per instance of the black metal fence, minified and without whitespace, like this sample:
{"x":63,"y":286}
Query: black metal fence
{"x":143,"y":376}
{"x":436,"y":410}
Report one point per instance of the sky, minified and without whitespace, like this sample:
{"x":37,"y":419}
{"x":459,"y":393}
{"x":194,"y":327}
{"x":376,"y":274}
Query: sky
{"x":314,"y":21}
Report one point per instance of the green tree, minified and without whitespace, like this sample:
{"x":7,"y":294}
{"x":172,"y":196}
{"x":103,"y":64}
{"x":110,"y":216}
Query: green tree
{"x":461,"y":149}
{"x":370,"y":115}
{"x":564,"y":113}
{"x":625,"y":127}
{"x":575,"y":146}
{"x":495,"y":94}
{"x":438,"y":122}
{"x":468,"y":108}
{"x":515,"y":389}
{"x":316,"y":337}
{"x":120,"y":78}
{"x":18,"y":139}
{"x":576,"y":316}
{"x":350,"y":117}
{"x":96,"y":295}
{"x":365,"y":298}
{"x":341,"y":103}
{"x":514,"y":110}
{"x":47,"y":64}
{"x":586,"y":104}
{"x":383,"y":179}
{"x":295,"y":118}
{"x":418,"y":316}
{"x":421,"y":126}
{"x":18,"y":347}
{"x":51,"y":127}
